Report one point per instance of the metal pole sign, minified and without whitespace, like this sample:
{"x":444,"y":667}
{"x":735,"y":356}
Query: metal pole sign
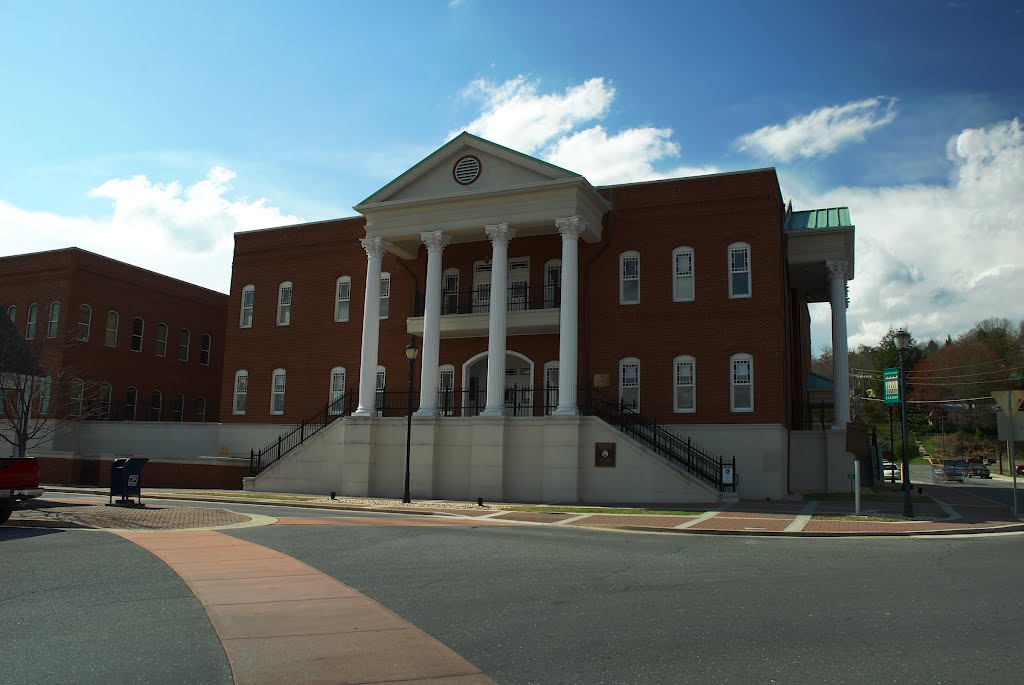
{"x":1010,"y":402}
{"x":891,"y":383}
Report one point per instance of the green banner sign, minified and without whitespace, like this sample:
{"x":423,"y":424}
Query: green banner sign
{"x":891,"y":383}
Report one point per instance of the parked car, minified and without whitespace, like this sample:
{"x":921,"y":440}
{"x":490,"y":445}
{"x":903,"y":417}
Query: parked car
{"x":1020,"y":469}
{"x":980,"y":470}
{"x":19,"y":481}
{"x":951,"y":469}
{"x":891,"y":471}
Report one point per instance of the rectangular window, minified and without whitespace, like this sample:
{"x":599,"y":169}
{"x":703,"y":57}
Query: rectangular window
{"x":161,"y":340}
{"x":742,"y":385}
{"x":111,"y":336}
{"x":450,"y":294}
{"x":337,"y":391}
{"x":284,"y":305}
{"x":248,"y":299}
{"x":553,"y":286}
{"x":381,"y":380}
{"x":204,"y":349}
{"x":630,"y":291}
{"x":44,"y":395}
{"x":343,"y":299}
{"x":385,"y":296}
{"x":200,"y":409}
{"x":30,"y":322}
{"x":629,"y":385}
{"x":277,"y":393}
{"x":739,"y":272}
{"x":183,"y":343}
{"x":84,"y":322}
{"x":51,"y":329}
{"x":137,"y":327}
{"x":682,"y":276}
{"x":684,"y":386}
{"x":241,"y":391}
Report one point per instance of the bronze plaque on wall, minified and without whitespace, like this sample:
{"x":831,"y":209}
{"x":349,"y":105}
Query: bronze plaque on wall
{"x":604,"y":454}
{"x":602,"y":380}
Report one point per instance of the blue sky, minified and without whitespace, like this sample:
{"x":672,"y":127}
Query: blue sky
{"x":151,"y":131}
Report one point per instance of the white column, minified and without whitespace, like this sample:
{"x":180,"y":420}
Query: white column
{"x":840,"y":355}
{"x":435,"y":241}
{"x":568,"y":318}
{"x":500,"y":235}
{"x":375,"y":248}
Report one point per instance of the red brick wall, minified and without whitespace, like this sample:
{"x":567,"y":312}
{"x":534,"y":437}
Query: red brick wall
{"x":706,"y":214}
{"x":155,"y":474}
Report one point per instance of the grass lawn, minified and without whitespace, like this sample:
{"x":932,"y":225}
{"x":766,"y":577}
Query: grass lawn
{"x":865,"y":497}
{"x":605,"y":510}
{"x":253,"y":495}
{"x":871,"y":519}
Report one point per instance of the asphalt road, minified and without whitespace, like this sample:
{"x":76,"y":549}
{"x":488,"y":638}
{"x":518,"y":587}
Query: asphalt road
{"x":996,"y":489}
{"x":550,"y":605}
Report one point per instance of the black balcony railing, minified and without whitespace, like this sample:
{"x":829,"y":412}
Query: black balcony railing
{"x":477,"y":300}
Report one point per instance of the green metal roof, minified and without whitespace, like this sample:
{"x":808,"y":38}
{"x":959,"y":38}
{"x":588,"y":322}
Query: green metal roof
{"x":815,"y":381}
{"x":832,"y":217}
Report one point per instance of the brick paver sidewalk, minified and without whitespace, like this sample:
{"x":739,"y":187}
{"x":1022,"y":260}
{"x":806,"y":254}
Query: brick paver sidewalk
{"x":94,"y":513}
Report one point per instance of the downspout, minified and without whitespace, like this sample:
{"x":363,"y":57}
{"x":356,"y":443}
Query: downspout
{"x":588,"y":385}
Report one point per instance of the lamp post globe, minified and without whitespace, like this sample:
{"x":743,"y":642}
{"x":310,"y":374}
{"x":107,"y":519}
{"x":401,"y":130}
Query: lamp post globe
{"x":901,"y":339}
{"x":411,"y":352}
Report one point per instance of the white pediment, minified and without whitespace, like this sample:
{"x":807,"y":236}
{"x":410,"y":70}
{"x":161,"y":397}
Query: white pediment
{"x":499,"y":168}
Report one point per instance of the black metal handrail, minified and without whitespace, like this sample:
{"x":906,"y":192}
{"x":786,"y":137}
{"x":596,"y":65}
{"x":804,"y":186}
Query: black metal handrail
{"x":662,"y":441}
{"x":277,"y":449}
{"x":518,"y":297}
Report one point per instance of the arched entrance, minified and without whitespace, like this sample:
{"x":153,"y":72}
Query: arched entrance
{"x":518,"y":385}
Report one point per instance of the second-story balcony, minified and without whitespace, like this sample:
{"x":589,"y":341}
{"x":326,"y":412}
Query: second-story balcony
{"x":532,"y":308}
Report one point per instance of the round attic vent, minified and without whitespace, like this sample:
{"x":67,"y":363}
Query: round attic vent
{"x":466,"y":170}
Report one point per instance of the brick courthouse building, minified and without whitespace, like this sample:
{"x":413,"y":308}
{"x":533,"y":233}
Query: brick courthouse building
{"x":553,"y":319}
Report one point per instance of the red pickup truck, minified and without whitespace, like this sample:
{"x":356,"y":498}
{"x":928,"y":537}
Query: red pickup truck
{"x":19,"y":481}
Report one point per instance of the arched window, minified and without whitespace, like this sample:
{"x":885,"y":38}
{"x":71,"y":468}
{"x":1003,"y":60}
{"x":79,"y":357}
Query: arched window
{"x":742,"y":394}
{"x":629,"y":383}
{"x":446,"y":389}
{"x":200,"y":409}
{"x":385,"y":295}
{"x":84,"y":322}
{"x":12,"y":314}
{"x":629,"y":277}
{"x":205,"y":343}
{"x":30,"y":322}
{"x":682,"y":274}
{"x":550,"y":387}
{"x":450,"y":291}
{"x":54,"y":324}
{"x":179,"y":407}
{"x":342,"y":297}
{"x":110,"y":339}
{"x":277,"y":392}
{"x":248,"y":300}
{"x":131,"y":402}
{"x":156,"y":405}
{"x":553,"y":284}
{"x":241,"y":391}
{"x":105,"y":395}
{"x":161,"y":340}
{"x":183,"y":342}
{"x":138,"y":326}
{"x":739,"y":270}
{"x":284,"y":303}
{"x":75,"y":393}
{"x":684,"y":390}
{"x":45,"y":389}
{"x":381,"y":385}
{"x":337,"y":393}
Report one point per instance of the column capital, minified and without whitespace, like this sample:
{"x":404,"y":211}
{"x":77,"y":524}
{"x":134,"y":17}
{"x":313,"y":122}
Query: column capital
{"x":435,"y":241}
{"x":570,"y":227}
{"x":500,"y":233}
{"x":836,"y":268}
{"x":375,"y":247}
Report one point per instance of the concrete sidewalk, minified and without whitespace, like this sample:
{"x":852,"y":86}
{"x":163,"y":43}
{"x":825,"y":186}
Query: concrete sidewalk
{"x":950,"y":511}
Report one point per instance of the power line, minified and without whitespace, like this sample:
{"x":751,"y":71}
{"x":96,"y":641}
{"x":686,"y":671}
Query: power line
{"x":959,"y":399}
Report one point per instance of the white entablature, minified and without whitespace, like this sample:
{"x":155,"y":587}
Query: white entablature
{"x":503,"y":186}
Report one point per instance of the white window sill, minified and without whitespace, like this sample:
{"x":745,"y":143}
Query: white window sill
{"x":685,"y":411}
{"x":244,"y":326}
{"x":685,"y":299}
{"x":739,"y":297}
{"x":742,"y":411}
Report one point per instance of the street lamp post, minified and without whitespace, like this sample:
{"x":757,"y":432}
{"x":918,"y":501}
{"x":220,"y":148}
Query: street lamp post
{"x":901,"y":338}
{"x":411,"y":351}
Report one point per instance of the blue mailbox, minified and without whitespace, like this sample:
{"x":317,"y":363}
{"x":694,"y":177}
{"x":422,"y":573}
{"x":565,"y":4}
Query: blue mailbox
{"x":126,"y":479}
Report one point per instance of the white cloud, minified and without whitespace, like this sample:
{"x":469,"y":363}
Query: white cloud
{"x":939,"y":258}
{"x":185,"y":232}
{"x":821,"y":132}
{"x":559,"y":128}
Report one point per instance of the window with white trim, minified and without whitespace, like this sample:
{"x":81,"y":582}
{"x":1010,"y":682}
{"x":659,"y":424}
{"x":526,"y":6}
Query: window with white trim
{"x":12,"y":313}
{"x":184,"y":338}
{"x":277,"y":384}
{"x":284,"y":303}
{"x":337,"y":394}
{"x":682,"y":274}
{"x":739,"y":270}
{"x":54,"y":324}
{"x":110,"y":339}
{"x":138,"y":326}
{"x":742,"y":375}
{"x":553,"y":284}
{"x":629,"y":383}
{"x":105,"y":395}
{"x":342,"y":298}
{"x":75,"y":396}
{"x":381,"y":384}
{"x":241,"y":392}
{"x":248,"y":301}
{"x":629,"y":278}
{"x":84,"y":323}
{"x":131,"y":401}
{"x":684,"y":390}
{"x":385,"y":295}
{"x":550,"y":387}
{"x":179,"y":407}
{"x":450,"y":291}
{"x":205,"y":343}
{"x":30,"y":322}
{"x":199,"y":409}
{"x":45,"y":390}
{"x":446,"y":389}
{"x":161,"y":340}
{"x":156,"y":405}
